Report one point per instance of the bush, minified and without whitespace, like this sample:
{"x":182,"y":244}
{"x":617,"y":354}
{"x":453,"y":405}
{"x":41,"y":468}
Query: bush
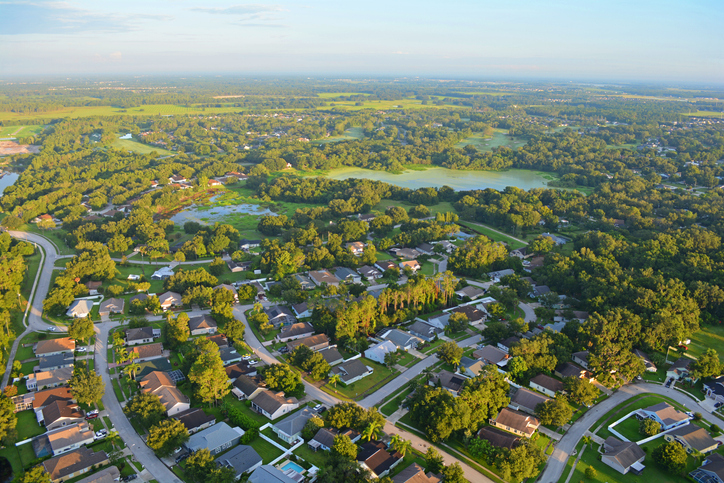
{"x":591,"y":472}
{"x":715,"y":429}
{"x":697,"y":416}
{"x":249,"y":436}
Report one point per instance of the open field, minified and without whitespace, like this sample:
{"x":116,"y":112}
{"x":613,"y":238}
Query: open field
{"x":147,"y":110}
{"x":709,"y":337}
{"x":500,"y":138}
{"x":351,"y":134}
{"x":385,"y":105}
{"x":139,"y":148}
{"x":332,"y":95}
{"x":19,"y":131}
{"x":705,"y":114}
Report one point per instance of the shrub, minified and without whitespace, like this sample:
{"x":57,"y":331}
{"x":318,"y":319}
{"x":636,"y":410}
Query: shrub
{"x":591,"y":472}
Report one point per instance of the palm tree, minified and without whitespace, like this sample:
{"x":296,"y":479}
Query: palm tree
{"x":402,"y":446}
{"x":427,"y":373}
{"x":334,"y":380}
{"x":131,"y":370}
{"x":371,"y":431}
{"x":121,"y":355}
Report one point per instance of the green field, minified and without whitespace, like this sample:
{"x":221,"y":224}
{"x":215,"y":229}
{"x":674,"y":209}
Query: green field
{"x":332,"y":95}
{"x":386,"y":105}
{"x":705,"y":114}
{"x":513,"y":244}
{"x":19,"y":131}
{"x":500,"y":138}
{"x":351,"y":134}
{"x":140,"y":148}
{"x":709,"y":337}
{"x":147,"y":110}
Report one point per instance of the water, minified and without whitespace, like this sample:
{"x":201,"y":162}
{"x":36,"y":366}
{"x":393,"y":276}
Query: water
{"x":211,"y":214}
{"x":456,"y":179}
{"x":8,"y":179}
{"x":293,"y":466}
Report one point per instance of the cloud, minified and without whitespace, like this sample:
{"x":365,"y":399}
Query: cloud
{"x":245,"y":9}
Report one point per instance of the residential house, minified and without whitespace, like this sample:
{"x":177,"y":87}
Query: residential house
{"x":195,"y":419}
{"x":273,"y":404}
{"x":711,"y":470}
{"x":231,"y":289}
{"x":324,"y":439}
{"x":141,"y":335}
{"x":623,"y":457}
{"x":425,"y":331}
{"x":415,"y":474}
{"x":402,"y":340}
{"x":498,"y":438}
{"x":295,"y":331}
{"x":505,"y":345}
{"x":220,"y":340}
{"x":357,"y":248}
{"x":202,"y":324}
{"x":448,"y":380}
{"x":377,"y":352}
{"x":665,"y":414}
{"x":352,"y":371}
{"x":516,"y":422}
{"x":52,"y":347}
{"x":557,"y":239}
{"x":539,"y":290}
{"x":546,"y":384}
{"x":470,"y":292}
{"x":715,"y":389}
{"x":68,"y":438}
{"x":141,"y":297}
{"x":405,"y":253}
{"x":93,"y":287}
{"x":411,"y":264}
{"x":581,"y":358}
{"x":568,"y":369}
{"x":290,"y":428}
{"x":369,"y":273}
{"x":304,"y":281}
{"x":347,"y":275}
{"x":366,"y":218}
{"x":148,"y":352}
{"x":303,"y":310}
{"x":236,"y":267}
{"x":161,"y":384}
{"x":373,"y":455}
{"x":426,"y":249}
{"x":679,"y":370}
{"x":242,"y":459}
{"x":111,"y":306}
{"x":384,"y":265}
{"x":320,"y":277}
{"x":240,"y":369}
{"x":521,"y":253}
{"x":216,"y":438}
{"x":109,"y":474}
{"x":314,"y":342}
{"x":79,"y":309}
{"x":48,"y":379}
{"x":229,"y":355}
{"x":693,"y":438}
{"x":74,"y":463}
{"x":332,"y":356}
{"x":61,"y":413}
{"x":448,"y":246}
{"x":169,"y":300}
{"x":37,"y":401}
{"x":248,"y":387}
{"x":441,"y":321}
{"x":650,"y":366}
{"x":497,"y":275}
{"x":162,"y":273}
{"x":57,"y":361}
{"x":271,"y":474}
{"x":249,"y":244}
{"x":280,"y":315}
{"x":475,"y":315}
{"x":176,"y":178}
{"x":527,"y":400}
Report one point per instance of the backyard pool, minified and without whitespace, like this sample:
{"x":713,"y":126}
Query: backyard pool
{"x":293,"y":466}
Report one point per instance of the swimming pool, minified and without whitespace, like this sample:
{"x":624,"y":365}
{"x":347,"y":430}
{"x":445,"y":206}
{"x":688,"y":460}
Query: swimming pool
{"x":293,"y":466}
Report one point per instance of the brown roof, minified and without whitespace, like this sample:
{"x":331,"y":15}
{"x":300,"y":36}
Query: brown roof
{"x":154,"y":380}
{"x":697,"y":437}
{"x":59,"y":410}
{"x":160,"y":383}
{"x":518,"y":421}
{"x":470,"y":312}
{"x":93,"y":285}
{"x":528,"y":399}
{"x":55,"y":345}
{"x":149,"y":350}
{"x":48,"y":396}
{"x":548,"y":382}
{"x":498,"y":437}
{"x":311,"y":341}
{"x":73,"y":462}
{"x":626,"y":453}
{"x":235,"y":370}
{"x":219,"y":339}
{"x":201,"y":322}
{"x":68,"y":435}
{"x":296,"y":329}
{"x":490,"y":354}
{"x":271,"y":401}
{"x":667,"y":413}
{"x":415,"y":474}
{"x":374,"y":454}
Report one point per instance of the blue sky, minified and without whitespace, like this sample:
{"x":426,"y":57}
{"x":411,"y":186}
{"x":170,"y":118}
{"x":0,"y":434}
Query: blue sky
{"x":663,"y":40}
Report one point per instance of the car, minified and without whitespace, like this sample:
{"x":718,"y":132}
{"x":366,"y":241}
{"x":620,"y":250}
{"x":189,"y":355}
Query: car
{"x":322,"y":409}
{"x":81,"y":349}
{"x":177,"y":450}
{"x":130,"y":477}
{"x":718,"y":405}
{"x":181,"y":457}
{"x":53,"y":329}
{"x":91,"y":416}
{"x":668,"y":383}
{"x":318,"y":407}
{"x":254,"y":362}
{"x":101,"y":433}
{"x":246,"y":358}
{"x":683,"y":347}
{"x":639,"y":378}
{"x":719,"y":443}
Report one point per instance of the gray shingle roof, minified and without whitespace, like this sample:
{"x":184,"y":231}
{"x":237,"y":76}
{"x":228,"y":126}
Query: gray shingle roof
{"x":294,"y":423}
{"x":241,"y":458}
{"x":213,"y":437}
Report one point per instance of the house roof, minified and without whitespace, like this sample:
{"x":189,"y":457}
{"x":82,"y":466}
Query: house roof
{"x":142,"y":297}
{"x":139,"y":333}
{"x":350,"y":369}
{"x":386,"y":264}
{"x":49,"y":396}
{"x":297,"y":329}
{"x":626,"y":453}
{"x":219,"y":339}
{"x":295,"y":422}
{"x":645,"y":357}
{"x":667,"y":413}
{"x":62,"y":359}
{"x":583,"y":355}
{"x":367,"y":271}
{"x":518,"y":421}
{"x":201,"y":322}
{"x":69,"y":435}
{"x":568,"y":369}
{"x":382,"y":348}
{"x":331,"y":355}
{"x":311,"y":341}
{"x":422,"y":327}
{"x":696,"y":436}
{"x":681,"y":365}
{"x":714,"y":463}
{"x":226,"y":286}
{"x":213,"y":436}
{"x":498,"y":437}
{"x":228,"y":354}
{"x":269,"y":474}
{"x":170,"y":297}
{"x":73,"y":461}
{"x":106,"y":475}
{"x":325,"y":437}
{"x":472,"y":312}
{"x":528,"y":399}
{"x":81,"y":306}
{"x":278,"y":311}
{"x":93,"y":285}
{"x":55,"y":345}
{"x":374,"y":454}
{"x":242,"y":458}
{"x":548,"y":382}
{"x":510,"y":341}
{"x":323,"y":276}
{"x":470,"y":291}
{"x":271,"y":401}
{"x":236,"y":370}
{"x":415,"y":474}
{"x":112,"y":304}
{"x":148,"y":350}
{"x":56,"y":376}
{"x":490,"y":354}
{"x":248,"y":385}
{"x":61,"y":410}
{"x":449,"y":380}
{"x":194,"y":417}
{"x":400,"y":338}
{"x":343,"y":273}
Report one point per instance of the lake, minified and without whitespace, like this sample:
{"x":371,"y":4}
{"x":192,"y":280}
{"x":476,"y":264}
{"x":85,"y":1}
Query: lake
{"x":456,"y":179}
{"x":8,"y":180}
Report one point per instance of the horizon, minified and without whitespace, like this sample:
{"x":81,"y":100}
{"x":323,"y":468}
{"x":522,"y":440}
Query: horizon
{"x":553,"y":42}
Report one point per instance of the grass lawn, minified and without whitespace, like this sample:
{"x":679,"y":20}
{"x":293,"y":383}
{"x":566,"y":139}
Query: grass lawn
{"x":108,"y":422}
{"x":317,"y":458}
{"x":20,"y":131}
{"x":408,"y":359}
{"x":266,"y":450}
{"x":358,"y":389}
{"x":27,"y":454}
{"x":622,"y":409}
{"x":709,"y":337}
{"x":13,"y":456}
{"x":483,"y":230}
{"x":427,"y":269}
{"x":28,"y":426}
{"x":117,"y":390}
{"x":351,"y":134}
{"x":140,"y":148}
{"x":128,"y":469}
{"x":394,"y":404}
{"x":629,"y":429}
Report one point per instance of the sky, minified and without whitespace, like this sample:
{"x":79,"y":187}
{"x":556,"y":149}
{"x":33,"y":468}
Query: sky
{"x":608,"y":40}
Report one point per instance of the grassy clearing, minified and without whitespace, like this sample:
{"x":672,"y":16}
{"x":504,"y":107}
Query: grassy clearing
{"x":140,"y":148}
{"x":705,"y":114}
{"x":709,"y":337}
{"x":266,"y":450}
{"x":493,"y":235}
{"x":622,"y":409}
{"x":351,"y":134}
{"x":20,"y":131}
{"x":146,"y":110}
{"x":28,"y":426}
{"x":386,"y":105}
{"x":332,"y":95}
{"x":499,"y":139}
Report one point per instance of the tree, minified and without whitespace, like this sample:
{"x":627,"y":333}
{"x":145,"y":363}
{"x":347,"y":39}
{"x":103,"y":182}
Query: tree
{"x":146,"y":408}
{"x":81,"y":329}
{"x":392,"y":358}
{"x":344,"y":447}
{"x":36,"y":474}
{"x":649,"y":427}
{"x":209,"y":377}
{"x":671,"y":456}
{"x":8,"y":420}
{"x":591,"y":472}
{"x":434,"y":461}
{"x":281,"y":377}
{"x":516,"y":367}
{"x":166,"y":436}
{"x":86,"y":386}
{"x":199,"y":464}
{"x":457,"y":322}
{"x":554,"y":411}
{"x":131,"y":369}
{"x":177,"y":330}
{"x":580,"y":390}
{"x":708,"y":365}
{"x":401,"y":445}
{"x":334,"y":379}
{"x":314,"y":424}
{"x":450,"y":352}
{"x":521,"y":463}
{"x":234,"y":329}
{"x":454,"y":474}
{"x":371,"y":431}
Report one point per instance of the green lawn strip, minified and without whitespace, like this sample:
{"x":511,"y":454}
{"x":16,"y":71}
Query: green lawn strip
{"x":433,"y":347}
{"x":128,"y":468}
{"x":138,"y":465}
{"x":117,"y":390}
{"x":493,"y":235}
{"x":709,"y":337}
{"x":642,"y":401}
{"x":269,"y":433}
{"x":266,"y":450}
{"x":317,"y":458}
{"x":572,"y":459}
{"x":27,"y":454}
{"x":407,"y":359}
{"x":97,"y":424}
{"x":13,"y":456}
{"x":393,"y":403}
{"x":108,"y":423}
{"x":28,"y":426}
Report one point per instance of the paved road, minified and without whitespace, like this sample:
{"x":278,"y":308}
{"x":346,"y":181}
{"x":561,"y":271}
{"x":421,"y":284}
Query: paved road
{"x":557,"y":461}
{"x":529,"y":312}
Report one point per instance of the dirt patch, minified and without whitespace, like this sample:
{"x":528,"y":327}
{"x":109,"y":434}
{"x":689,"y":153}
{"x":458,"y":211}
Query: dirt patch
{"x":11,"y":147}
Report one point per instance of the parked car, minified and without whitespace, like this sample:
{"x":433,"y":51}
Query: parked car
{"x":91,"y":415}
{"x":53,"y":329}
{"x":252,"y":363}
{"x":101,"y":434}
{"x":81,"y":349}
{"x":318,"y":407}
{"x":181,"y":457}
{"x":246,"y":358}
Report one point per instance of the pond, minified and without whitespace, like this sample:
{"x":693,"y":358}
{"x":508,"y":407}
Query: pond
{"x":7,"y":179}
{"x":211,"y":214}
{"x":456,"y":179}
